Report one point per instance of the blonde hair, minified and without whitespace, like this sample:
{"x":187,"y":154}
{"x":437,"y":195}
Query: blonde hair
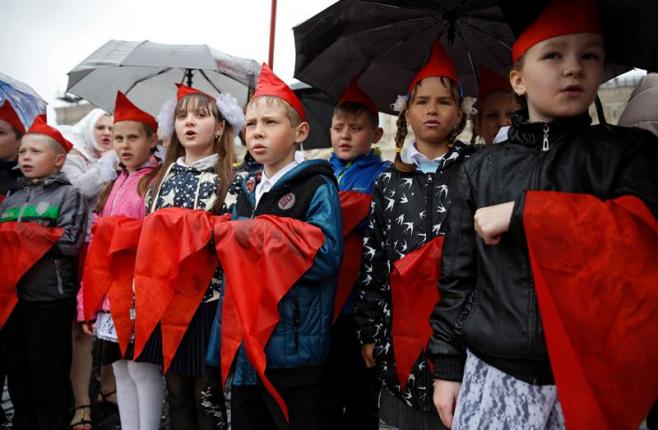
{"x":402,"y":130}
{"x":223,"y":146}
{"x":291,"y":113}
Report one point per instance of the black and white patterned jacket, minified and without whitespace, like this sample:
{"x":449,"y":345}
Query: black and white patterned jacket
{"x":408,"y":209}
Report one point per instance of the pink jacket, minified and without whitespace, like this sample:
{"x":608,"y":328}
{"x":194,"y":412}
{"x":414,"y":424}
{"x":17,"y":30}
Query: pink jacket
{"x":125,"y":200}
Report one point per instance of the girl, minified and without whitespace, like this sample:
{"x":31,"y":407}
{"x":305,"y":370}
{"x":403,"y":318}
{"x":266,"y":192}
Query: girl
{"x":199,"y":158}
{"x":487,"y":329}
{"x":89,"y":166}
{"x":409,"y":204}
{"x":139,"y":385}
{"x":495,"y":105}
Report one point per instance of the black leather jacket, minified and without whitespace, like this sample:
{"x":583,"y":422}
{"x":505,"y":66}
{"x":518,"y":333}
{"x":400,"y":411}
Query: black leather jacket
{"x":488,"y":302}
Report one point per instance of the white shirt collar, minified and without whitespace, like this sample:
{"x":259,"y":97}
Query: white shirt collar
{"x":201,"y":164}
{"x":266,"y":184}
{"x":501,"y":136}
{"x":411,"y":155}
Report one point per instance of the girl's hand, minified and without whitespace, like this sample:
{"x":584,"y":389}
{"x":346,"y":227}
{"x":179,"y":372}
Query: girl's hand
{"x":368,"y":354}
{"x":445,"y":399}
{"x":492,"y":221}
{"x":89,"y":328}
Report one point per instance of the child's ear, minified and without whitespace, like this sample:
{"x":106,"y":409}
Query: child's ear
{"x":154,"y":141}
{"x":517,"y":82}
{"x":219,"y":129}
{"x":301,"y":132}
{"x":379,"y":132}
{"x":59,"y":160}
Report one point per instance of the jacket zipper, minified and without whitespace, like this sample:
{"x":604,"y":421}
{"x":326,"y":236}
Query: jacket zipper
{"x":58,"y":269}
{"x":545,"y":144}
{"x":430,"y":186}
{"x":27,"y":200}
{"x":296,"y":321}
{"x":534,"y":326}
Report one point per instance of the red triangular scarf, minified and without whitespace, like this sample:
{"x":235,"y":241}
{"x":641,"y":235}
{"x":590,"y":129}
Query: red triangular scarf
{"x":354,"y":208}
{"x":21,"y":245}
{"x":173,"y":269}
{"x":414,"y":292}
{"x":109,"y":269}
{"x":262,"y":259}
{"x":594,"y":265}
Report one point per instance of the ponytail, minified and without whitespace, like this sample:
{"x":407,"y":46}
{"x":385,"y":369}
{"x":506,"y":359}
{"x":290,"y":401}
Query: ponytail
{"x":400,"y":135}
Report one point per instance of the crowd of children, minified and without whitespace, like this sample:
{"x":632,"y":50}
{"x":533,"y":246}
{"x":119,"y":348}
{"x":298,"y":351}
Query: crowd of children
{"x":466,"y":349}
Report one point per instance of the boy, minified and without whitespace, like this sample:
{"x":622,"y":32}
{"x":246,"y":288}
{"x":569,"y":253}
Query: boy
{"x":353,"y":388}
{"x":39,"y":330}
{"x":304,"y":190}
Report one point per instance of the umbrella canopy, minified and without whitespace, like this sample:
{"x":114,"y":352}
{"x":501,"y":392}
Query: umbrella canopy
{"x":25,"y":101}
{"x":385,"y":42}
{"x":319,"y":109}
{"x":147,"y":71}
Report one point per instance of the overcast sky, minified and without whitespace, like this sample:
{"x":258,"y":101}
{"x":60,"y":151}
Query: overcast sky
{"x":41,"y":40}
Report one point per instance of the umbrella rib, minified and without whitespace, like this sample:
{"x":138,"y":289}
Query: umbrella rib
{"x":494,"y":37}
{"x":203,"y":73}
{"x":152,"y":75}
{"x":468,"y":54}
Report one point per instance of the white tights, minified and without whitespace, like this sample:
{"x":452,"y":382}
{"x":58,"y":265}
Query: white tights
{"x":140,"y":390}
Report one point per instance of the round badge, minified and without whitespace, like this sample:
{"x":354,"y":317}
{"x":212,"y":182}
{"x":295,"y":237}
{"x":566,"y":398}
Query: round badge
{"x":287,"y":201}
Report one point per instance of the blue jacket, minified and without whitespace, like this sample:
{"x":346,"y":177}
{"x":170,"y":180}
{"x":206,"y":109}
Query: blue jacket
{"x":301,"y":338}
{"x":359,"y":174}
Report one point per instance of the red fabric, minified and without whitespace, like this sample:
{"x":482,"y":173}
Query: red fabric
{"x":184,"y":90}
{"x":110,"y":269}
{"x":414,"y":294}
{"x":490,"y":82}
{"x":559,"y":18}
{"x":173,"y":268}
{"x":21,"y":245}
{"x":262,"y":259}
{"x":8,"y":114}
{"x":440,"y":64}
{"x":354,"y":93}
{"x":354,"y":208}
{"x":125,"y":110}
{"x":272,"y":86}
{"x":39,"y":126}
{"x":594,"y":265}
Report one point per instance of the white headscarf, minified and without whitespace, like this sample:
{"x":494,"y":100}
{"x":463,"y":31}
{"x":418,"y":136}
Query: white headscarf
{"x":86,"y":140}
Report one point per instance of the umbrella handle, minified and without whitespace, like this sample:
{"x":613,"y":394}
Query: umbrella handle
{"x":188,"y":76}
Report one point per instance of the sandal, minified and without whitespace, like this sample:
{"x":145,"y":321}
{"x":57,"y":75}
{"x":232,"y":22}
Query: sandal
{"x":103,"y":398}
{"x":85,"y":419}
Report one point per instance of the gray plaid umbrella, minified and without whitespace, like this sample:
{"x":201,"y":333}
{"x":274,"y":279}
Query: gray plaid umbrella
{"x":147,"y":71}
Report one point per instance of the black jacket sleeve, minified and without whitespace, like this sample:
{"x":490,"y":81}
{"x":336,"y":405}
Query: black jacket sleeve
{"x":457,"y":281}
{"x":371,"y":302}
{"x":637,"y":173}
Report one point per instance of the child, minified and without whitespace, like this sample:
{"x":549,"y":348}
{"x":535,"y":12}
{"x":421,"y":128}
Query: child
{"x":11,"y":132}
{"x":139,"y":384}
{"x":495,"y":105}
{"x":304,"y":190}
{"x":487,"y":326}
{"x":89,"y":166}
{"x":354,"y":389}
{"x":196,"y":174}
{"x":39,"y":330}
{"x":409,"y":205}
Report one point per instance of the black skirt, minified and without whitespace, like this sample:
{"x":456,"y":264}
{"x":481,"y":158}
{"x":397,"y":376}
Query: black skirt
{"x":190,"y":358}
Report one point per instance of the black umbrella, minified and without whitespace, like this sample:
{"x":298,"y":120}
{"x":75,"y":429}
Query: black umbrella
{"x":319,"y":109}
{"x":629,"y":29}
{"x":385,"y":42}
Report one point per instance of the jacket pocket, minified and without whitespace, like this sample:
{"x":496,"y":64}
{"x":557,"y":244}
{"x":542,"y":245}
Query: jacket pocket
{"x":296,"y":322}
{"x":58,"y":274}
